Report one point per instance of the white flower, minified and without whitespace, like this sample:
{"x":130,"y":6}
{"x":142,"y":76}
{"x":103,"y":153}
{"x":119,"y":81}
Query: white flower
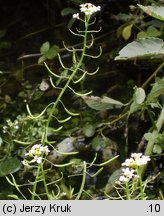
{"x":76,"y":16}
{"x":36,"y":152}
{"x":140,"y":159}
{"x":16,"y":122}
{"x":137,"y":159}
{"x":136,"y":155}
{"x":129,"y":173}
{"x":37,"y":159}
{"x":143,"y":160}
{"x":4,"y":129}
{"x":36,"y":146}
{"x":44,"y":149}
{"x":16,"y":127}
{"x":89,"y":8}
{"x":123,"y":179}
{"x":128,"y":162}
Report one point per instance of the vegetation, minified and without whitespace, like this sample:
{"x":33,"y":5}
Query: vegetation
{"x":83,"y":118}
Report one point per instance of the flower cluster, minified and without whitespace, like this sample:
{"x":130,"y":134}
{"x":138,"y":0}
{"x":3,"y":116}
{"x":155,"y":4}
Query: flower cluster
{"x":137,"y":159}
{"x":88,"y":9}
{"x":11,"y":125}
{"x":131,"y":164}
{"x":127,"y":175}
{"x":36,"y":153}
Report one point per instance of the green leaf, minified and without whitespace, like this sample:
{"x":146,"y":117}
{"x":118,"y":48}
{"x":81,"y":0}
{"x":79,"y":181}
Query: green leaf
{"x":41,"y":59}
{"x":48,"y":52}
{"x":117,"y":104}
{"x":160,"y":140}
{"x":14,"y":197}
{"x":120,"y":29}
{"x":138,"y":99}
{"x":144,"y":47}
{"x":112,"y":180}
{"x":142,"y":34}
{"x":10,"y":165}
{"x":67,"y":11}
{"x":153,"y":32}
{"x":88,"y":130}
{"x":98,"y":143}
{"x":156,"y":91}
{"x":151,"y":137}
{"x":70,"y":23}
{"x":157,"y":149}
{"x":53,"y":52}
{"x":134,"y":107}
{"x":139,"y":95}
{"x":154,"y":11}
{"x":37,"y":95}
{"x":101,"y":104}
{"x":45,"y":47}
{"x":127,"y":31}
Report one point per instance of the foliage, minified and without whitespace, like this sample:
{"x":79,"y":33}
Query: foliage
{"x":144,"y":47}
{"x":154,"y":11}
{"x":48,"y":52}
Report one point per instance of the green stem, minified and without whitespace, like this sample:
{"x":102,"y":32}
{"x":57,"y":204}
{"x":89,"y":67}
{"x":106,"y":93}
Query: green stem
{"x":44,"y":181}
{"x":40,"y":169}
{"x":159,"y":124}
{"x":141,"y":184}
{"x":151,"y":117}
{"x":141,"y":189}
{"x":105,"y":125}
{"x":83,"y":181}
{"x":44,"y":137}
{"x":128,"y":197}
{"x":65,"y":189}
{"x":150,"y":145}
{"x":68,"y":82}
{"x":35,"y":183}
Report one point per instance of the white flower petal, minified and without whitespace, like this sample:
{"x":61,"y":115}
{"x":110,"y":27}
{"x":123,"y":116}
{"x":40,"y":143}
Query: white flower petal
{"x":89,"y":8}
{"x":123,"y":179}
{"x":39,"y":160}
{"x":137,"y":159}
{"x":76,"y":16}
